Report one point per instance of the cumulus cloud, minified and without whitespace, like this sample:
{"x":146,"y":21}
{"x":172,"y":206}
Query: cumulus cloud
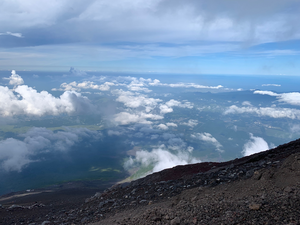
{"x":16,"y":154}
{"x":162,"y":127}
{"x":15,"y":79}
{"x":124,"y":118}
{"x":292,"y":98}
{"x":265,"y":111}
{"x":255,"y":145}
{"x":133,"y":100}
{"x":29,"y":102}
{"x":160,"y":159}
{"x":190,"y":123}
{"x":207,"y":137}
{"x":168,"y":106}
{"x":139,"y":85}
{"x":74,"y":86}
{"x":171,"y":124}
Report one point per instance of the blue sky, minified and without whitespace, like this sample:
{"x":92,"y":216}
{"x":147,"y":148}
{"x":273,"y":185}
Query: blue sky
{"x":170,"y":36}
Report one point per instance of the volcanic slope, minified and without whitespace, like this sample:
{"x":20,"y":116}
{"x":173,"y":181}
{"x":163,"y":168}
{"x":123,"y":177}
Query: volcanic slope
{"x":263,"y":188}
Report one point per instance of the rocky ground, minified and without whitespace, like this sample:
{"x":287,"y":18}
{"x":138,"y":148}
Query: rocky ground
{"x":260,"y":189}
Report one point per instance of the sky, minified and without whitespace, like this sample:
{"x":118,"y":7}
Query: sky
{"x":155,"y":36}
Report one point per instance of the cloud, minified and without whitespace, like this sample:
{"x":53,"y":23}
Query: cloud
{"x":162,"y":127}
{"x":271,"y":85}
{"x":271,"y":93}
{"x":190,"y":123}
{"x":114,"y":133}
{"x":207,"y":137}
{"x":255,"y":145}
{"x":156,"y":82}
{"x":16,"y":154}
{"x":265,"y":111}
{"x":133,"y":100}
{"x":73,"y":86}
{"x":168,"y":106}
{"x":171,"y":124}
{"x":162,"y":20}
{"x":29,"y":102}
{"x":295,"y":128}
{"x":247,"y":103}
{"x":292,"y":98}
{"x":124,"y":118}
{"x":18,"y":35}
{"x":15,"y":79}
{"x":160,"y":159}
{"x":138,"y":85}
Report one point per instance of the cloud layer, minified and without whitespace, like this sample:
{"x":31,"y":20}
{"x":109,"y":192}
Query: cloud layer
{"x":16,"y":154}
{"x":265,"y":111}
{"x":162,"y":20}
{"x":292,"y":98}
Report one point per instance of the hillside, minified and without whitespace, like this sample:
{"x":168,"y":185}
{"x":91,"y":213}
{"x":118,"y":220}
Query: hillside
{"x":259,"y":189}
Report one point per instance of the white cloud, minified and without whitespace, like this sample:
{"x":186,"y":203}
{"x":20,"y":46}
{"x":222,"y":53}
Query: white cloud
{"x":265,"y":111}
{"x":32,"y":103}
{"x":271,"y":85}
{"x":168,"y":106}
{"x":255,"y":145}
{"x":139,"y":85}
{"x":156,"y":82}
{"x":16,"y":154}
{"x":162,"y":127}
{"x":190,"y":123}
{"x":165,"y":109}
{"x":208,"y":138}
{"x":160,"y":159}
{"x":19,"y":35}
{"x":292,"y":98}
{"x":15,"y":79}
{"x":124,"y":118}
{"x":271,"y":93}
{"x":132,"y":100}
{"x":247,"y":103}
{"x":73,"y":86}
{"x":171,"y":124}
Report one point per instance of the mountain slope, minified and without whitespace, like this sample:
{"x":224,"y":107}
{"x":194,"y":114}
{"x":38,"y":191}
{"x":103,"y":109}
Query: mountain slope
{"x":259,"y":189}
